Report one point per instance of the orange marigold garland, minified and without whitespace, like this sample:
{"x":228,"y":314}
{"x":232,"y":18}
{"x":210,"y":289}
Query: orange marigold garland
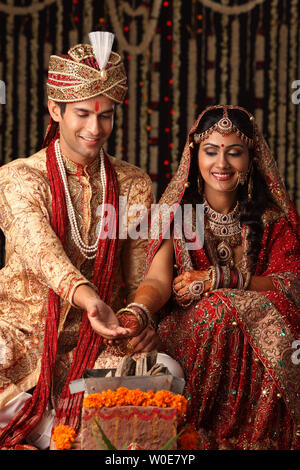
{"x":63,"y":436}
{"x":124,"y":397}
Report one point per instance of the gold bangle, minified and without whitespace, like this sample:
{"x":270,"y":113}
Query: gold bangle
{"x":141,"y":307}
{"x":145,"y":310}
{"x":125,"y":310}
{"x":226,"y":276}
{"x":213,"y":278}
{"x":247,"y":280}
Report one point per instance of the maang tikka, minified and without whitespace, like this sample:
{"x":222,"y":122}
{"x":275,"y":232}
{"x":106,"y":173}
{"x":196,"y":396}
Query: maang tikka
{"x":225,"y":127}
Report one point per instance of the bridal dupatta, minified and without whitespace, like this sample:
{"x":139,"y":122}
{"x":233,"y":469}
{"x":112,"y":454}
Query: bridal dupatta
{"x":238,"y":348}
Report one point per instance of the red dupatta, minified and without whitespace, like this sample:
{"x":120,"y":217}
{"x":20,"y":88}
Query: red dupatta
{"x":87,"y":348}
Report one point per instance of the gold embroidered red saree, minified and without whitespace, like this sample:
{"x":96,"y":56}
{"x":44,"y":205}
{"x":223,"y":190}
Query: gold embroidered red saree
{"x":237,"y":348}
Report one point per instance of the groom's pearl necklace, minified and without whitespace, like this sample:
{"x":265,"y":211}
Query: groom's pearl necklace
{"x":89,"y":252}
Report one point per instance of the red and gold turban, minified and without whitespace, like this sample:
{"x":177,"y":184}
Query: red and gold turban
{"x":85,"y":72}
{"x":77,"y":76}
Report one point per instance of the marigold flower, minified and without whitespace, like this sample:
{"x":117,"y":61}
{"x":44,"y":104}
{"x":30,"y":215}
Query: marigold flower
{"x":189,"y":439}
{"x":123,"y":397}
{"x":63,"y":436}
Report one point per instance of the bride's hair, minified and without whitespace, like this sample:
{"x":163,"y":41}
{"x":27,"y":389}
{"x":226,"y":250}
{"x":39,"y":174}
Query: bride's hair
{"x":251,"y":209}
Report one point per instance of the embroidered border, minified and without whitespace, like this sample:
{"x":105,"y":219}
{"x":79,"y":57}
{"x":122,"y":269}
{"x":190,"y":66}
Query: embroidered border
{"x":271,"y":339}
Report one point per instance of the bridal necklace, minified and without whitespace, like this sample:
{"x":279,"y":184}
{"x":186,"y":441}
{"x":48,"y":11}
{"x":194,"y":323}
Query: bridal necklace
{"x":225,"y":230}
{"x":88,"y":251}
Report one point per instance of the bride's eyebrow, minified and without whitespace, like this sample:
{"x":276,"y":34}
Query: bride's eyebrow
{"x":211,"y":145}
{"x":218,"y":146}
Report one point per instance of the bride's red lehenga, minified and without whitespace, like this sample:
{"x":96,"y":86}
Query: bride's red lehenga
{"x":237,"y":348}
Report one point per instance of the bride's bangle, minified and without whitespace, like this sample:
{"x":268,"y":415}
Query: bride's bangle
{"x":247,"y":280}
{"x":234,"y":281}
{"x":217,"y":276}
{"x":226,"y":276}
{"x":144,"y":310}
{"x":213,"y":278}
{"x":141,"y":318}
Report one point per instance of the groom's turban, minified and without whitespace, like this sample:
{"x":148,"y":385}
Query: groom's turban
{"x":77,"y":77}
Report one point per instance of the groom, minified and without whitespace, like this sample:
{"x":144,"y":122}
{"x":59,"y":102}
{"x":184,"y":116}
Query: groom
{"x":64,"y":277}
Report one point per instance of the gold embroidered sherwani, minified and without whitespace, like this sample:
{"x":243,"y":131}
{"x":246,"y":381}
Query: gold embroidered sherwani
{"x":36,"y":260}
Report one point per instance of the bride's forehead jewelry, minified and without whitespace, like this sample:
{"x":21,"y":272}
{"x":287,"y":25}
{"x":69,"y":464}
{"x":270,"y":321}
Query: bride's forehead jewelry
{"x":225,"y":127}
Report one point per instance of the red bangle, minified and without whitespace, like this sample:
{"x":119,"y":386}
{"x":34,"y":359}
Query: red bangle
{"x":234,"y":278}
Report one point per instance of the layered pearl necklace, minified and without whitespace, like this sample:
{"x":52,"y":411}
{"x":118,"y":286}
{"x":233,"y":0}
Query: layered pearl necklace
{"x":89,"y":252}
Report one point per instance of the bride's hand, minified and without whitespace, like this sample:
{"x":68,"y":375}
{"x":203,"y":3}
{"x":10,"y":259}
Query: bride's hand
{"x":181,"y":283}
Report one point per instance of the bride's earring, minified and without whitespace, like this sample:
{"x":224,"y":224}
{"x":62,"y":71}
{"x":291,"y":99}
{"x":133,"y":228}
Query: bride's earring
{"x":250,"y":183}
{"x":242,"y":177}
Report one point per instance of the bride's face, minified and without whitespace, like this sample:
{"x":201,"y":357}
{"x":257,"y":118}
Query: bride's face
{"x":220,"y":159}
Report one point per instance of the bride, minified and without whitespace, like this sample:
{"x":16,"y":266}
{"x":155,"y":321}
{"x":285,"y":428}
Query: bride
{"x":229,"y":310}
